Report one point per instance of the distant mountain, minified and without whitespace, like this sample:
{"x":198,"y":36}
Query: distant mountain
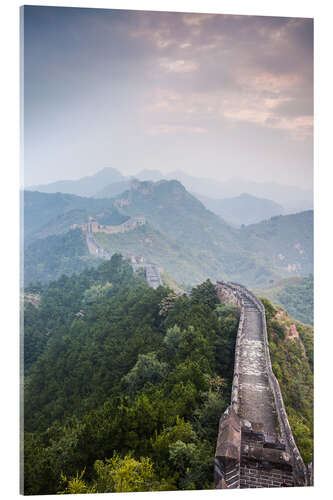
{"x":279,"y":247}
{"x":181,"y":234}
{"x":287,"y":241}
{"x":114,"y":189}
{"x":294,"y":206}
{"x":292,"y":198}
{"x":150,"y":175}
{"x":174,"y":211}
{"x":54,"y":213}
{"x":86,"y":186}
{"x":108,"y":183}
{"x":243,"y":209}
{"x":49,"y":258}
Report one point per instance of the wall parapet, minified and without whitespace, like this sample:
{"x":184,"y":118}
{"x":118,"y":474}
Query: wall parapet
{"x":239,"y":292}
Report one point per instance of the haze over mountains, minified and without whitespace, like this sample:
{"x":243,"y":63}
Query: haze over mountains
{"x":243,"y":209}
{"x":86,"y":186}
{"x":181,"y":235}
{"x":253,"y":201}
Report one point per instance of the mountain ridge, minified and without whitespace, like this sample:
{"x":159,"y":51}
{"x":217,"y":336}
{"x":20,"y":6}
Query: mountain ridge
{"x":255,"y":254}
{"x":292,"y":198}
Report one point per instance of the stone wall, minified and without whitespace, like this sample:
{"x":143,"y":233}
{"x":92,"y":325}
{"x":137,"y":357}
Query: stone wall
{"x":228,"y":448}
{"x":300,"y":472}
{"x":228,"y":294}
{"x":258,"y":452}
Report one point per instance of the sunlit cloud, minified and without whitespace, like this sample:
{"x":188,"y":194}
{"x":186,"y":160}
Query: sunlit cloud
{"x":142,"y":74}
{"x":197,"y":19}
{"x":178,"y":66}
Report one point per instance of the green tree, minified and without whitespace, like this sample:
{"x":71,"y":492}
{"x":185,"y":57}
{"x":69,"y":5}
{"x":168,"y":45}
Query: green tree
{"x":173,"y":338}
{"x":146,"y":369}
{"x":126,"y":474}
{"x":205,"y":294}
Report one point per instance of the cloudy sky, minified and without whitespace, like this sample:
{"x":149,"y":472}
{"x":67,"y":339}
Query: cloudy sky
{"x":215,"y":96}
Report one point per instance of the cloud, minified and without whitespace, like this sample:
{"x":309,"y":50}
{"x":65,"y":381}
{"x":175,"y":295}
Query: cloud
{"x":224,"y":79}
{"x":178,"y":66}
{"x":196,"y":19}
{"x":167,"y":128}
{"x":240,"y":69}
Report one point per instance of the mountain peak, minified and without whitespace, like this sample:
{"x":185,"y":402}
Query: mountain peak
{"x":145,"y":187}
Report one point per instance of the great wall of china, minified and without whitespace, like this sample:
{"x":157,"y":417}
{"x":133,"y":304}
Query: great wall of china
{"x":255,"y":445}
{"x":151,"y":271}
{"x":93,"y":226}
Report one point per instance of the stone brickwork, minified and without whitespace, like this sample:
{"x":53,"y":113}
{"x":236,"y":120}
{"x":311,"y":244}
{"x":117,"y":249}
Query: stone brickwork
{"x":228,"y":447}
{"x":268,"y":455}
{"x":256,"y":477}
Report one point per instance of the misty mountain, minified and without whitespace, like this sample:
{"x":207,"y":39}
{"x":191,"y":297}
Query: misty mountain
{"x":173,"y":210}
{"x":150,"y":175}
{"x":244,"y":209}
{"x":292,"y":198}
{"x":114,"y":189}
{"x":48,"y":258}
{"x":279,"y":247}
{"x":86,"y":186}
{"x":287,"y":240}
{"x":181,"y":234}
{"x":54,"y":213}
{"x":110,"y":182}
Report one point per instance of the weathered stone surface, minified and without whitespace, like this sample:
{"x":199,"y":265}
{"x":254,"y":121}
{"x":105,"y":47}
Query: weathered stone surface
{"x":263,"y":452}
{"x":229,"y":436}
{"x":227,"y":456}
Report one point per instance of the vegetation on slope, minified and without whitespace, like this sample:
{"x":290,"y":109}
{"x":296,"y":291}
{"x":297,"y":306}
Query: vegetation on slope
{"x":286,"y":240}
{"x":254,"y":255}
{"x":179,"y":260}
{"x":295,"y":295}
{"x":48,"y":258}
{"x":189,"y":241}
{"x":291,"y":351}
{"x":129,"y":383}
{"x":47,"y":214}
{"x":125,"y":384}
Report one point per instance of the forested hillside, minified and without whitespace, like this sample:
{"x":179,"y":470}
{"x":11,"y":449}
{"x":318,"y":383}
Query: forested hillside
{"x":126,"y":373}
{"x":48,"y":258}
{"x":295,"y":295}
{"x":189,"y":241}
{"x":178,"y":259}
{"x":125,"y":384}
{"x":46,"y":214}
{"x":286,"y":241}
{"x":291,"y":351}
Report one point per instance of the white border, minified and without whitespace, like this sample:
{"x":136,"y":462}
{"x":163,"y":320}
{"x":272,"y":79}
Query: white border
{"x":9,"y":33}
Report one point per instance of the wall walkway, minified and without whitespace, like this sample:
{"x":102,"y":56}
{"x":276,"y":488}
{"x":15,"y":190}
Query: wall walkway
{"x":255,"y":445}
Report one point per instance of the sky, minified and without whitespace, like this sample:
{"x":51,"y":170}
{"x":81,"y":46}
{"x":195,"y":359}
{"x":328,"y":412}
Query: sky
{"x":216,"y":96}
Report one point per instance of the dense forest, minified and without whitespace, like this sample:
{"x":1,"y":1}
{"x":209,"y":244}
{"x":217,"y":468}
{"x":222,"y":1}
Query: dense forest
{"x":124,"y":384}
